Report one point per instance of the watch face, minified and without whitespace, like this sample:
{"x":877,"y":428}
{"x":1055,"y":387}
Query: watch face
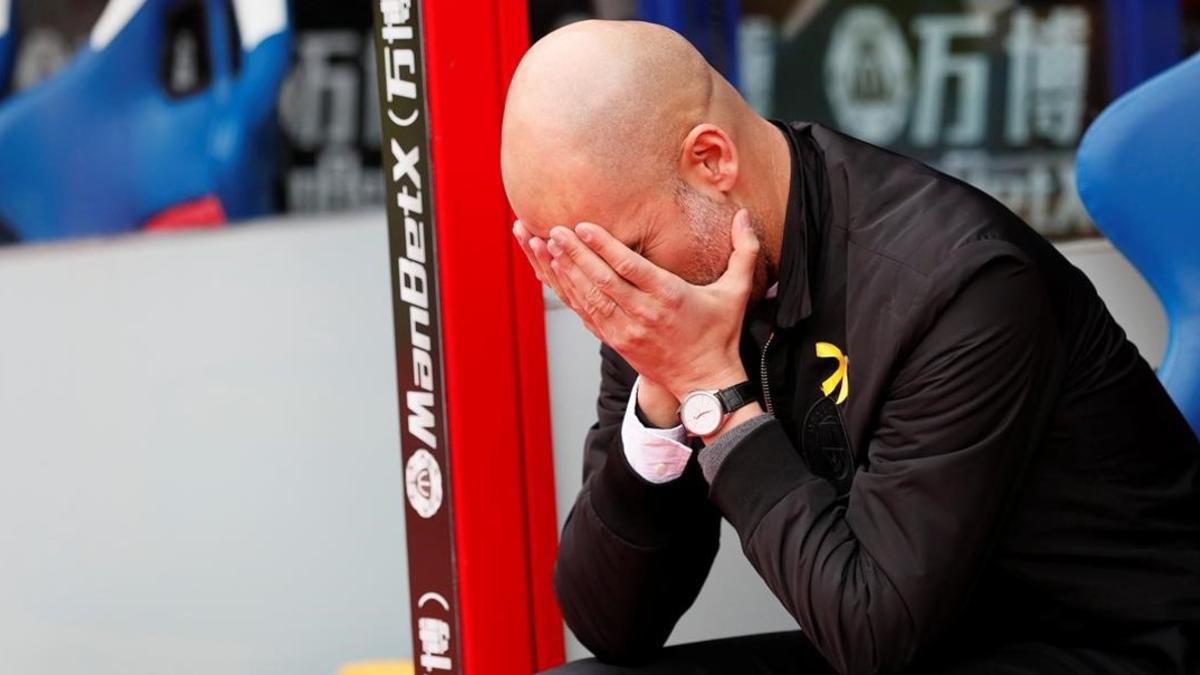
{"x":701,"y":413}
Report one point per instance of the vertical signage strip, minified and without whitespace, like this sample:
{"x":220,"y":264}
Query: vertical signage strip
{"x":434,"y":597}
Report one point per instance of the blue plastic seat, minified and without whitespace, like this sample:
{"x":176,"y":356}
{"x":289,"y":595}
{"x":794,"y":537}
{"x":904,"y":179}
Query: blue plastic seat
{"x":8,"y":41}
{"x":1139,"y":176}
{"x":115,"y":141}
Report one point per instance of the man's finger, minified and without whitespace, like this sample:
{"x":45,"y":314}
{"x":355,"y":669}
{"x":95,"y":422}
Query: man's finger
{"x":523,"y":240}
{"x":745,"y":252}
{"x":597,"y":305}
{"x":595,"y":269}
{"x":576,"y":305}
{"x":539,"y":259}
{"x":566,"y":294}
{"x":627,"y":264}
{"x":542,"y":259}
{"x":569,"y":296}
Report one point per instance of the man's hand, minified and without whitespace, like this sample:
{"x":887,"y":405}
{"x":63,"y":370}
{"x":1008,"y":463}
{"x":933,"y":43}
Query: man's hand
{"x":539,"y":260}
{"x":659,"y":406}
{"x":682,"y":336}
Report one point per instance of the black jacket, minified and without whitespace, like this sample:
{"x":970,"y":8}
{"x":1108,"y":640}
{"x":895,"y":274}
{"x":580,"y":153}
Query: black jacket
{"x":1005,"y":469}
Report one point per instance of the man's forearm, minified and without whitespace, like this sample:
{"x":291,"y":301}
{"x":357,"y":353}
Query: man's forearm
{"x":633,"y":556}
{"x":622,"y":599}
{"x":727,"y":438}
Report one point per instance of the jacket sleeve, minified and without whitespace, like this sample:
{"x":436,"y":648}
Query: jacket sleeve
{"x":633,"y":554}
{"x":874,"y":577}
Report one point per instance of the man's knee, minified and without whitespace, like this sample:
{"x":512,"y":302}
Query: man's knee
{"x":767,"y":654}
{"x":588,"y":667}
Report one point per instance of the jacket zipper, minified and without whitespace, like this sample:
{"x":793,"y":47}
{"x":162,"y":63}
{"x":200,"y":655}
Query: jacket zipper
{"x":766,"y":386}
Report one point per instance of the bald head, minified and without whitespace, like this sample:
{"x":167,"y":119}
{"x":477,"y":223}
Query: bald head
{"x":597,"y":113}
{"x":625,"y":125}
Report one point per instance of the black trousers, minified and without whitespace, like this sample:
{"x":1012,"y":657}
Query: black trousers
{"x":765,"y":654}
{"x":790,"y":653}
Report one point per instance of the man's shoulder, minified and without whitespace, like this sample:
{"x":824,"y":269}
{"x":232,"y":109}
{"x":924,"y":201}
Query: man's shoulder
{"x":907,"y":213}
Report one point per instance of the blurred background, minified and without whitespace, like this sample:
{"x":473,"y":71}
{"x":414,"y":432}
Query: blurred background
{"x":284,"y":119}
{"x":199,"y":466}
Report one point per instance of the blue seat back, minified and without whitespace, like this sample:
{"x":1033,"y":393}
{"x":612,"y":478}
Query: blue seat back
{"x":1138,"y":174}
{"x":8,"y":41}
{"x":103,"y":146}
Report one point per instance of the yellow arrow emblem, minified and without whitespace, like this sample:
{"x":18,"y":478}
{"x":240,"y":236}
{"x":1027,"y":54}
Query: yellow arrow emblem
{"x":828,"y":350}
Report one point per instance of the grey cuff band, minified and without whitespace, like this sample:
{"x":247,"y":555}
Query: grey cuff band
{"x":712,"y":456}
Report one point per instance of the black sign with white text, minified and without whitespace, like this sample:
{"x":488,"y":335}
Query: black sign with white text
{"x":415,"y":298}
{"x":997,"y":94}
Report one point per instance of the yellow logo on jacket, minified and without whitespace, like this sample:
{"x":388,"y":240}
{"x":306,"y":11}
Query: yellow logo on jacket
{"x":828,"y":350}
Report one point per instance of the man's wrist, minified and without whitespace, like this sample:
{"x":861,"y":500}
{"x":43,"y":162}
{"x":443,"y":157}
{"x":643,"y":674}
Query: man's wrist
{"x":655,"y":406}
{"x":743,"y":414}
{"x":715,"y":381}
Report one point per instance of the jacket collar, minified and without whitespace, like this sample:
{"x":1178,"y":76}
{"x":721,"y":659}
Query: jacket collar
{"x":802,"y":227}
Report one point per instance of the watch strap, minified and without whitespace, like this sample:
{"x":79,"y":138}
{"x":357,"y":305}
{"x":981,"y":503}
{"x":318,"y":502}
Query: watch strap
{"x":736,"y":397}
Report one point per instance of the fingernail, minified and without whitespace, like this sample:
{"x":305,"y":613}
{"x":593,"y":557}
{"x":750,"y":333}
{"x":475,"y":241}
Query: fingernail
{"x":554,"y":248}
{"x":585,"y":232}
{"x":557,"y":235}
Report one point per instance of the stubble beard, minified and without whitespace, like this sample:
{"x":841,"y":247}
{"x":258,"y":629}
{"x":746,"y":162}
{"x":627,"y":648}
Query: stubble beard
{"x":710,"y":224}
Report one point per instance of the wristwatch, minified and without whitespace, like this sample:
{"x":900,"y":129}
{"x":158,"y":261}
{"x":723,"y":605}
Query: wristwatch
{"x":704,"y":410}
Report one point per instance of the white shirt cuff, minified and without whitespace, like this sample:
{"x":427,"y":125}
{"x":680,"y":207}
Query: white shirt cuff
{"x":657,"y":455}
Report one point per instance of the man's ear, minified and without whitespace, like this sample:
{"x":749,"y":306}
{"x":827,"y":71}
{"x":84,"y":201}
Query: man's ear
{"x":709,"y":158}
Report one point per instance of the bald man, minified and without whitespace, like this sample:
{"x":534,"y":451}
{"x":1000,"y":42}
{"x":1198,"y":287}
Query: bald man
{"x":938,"y":449}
